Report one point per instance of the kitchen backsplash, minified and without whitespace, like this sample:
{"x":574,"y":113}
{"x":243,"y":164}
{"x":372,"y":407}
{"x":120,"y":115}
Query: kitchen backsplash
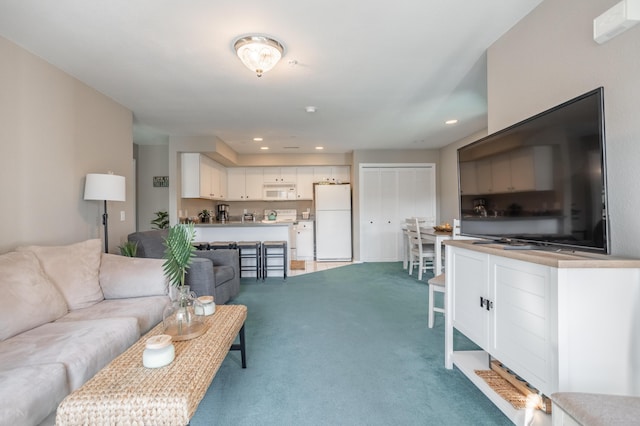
{"x":236,"y":208}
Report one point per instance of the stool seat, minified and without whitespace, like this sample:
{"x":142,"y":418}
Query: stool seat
{"x":214,"y":245}
{"x":200,"y":245}
{"x":272,"y":251}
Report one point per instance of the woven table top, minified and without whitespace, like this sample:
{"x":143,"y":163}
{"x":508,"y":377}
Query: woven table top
{"x":127,"y":393}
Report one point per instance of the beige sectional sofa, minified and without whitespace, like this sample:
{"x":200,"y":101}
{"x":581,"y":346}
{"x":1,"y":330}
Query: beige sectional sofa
{"x":66,"y":312}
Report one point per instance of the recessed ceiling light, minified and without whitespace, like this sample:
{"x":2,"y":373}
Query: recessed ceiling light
{"x":454,"y":121}
{"x":257,"y":139}
{"x":264,"y":148}
{"x":319,"y":147}
{"x":311,"y":108}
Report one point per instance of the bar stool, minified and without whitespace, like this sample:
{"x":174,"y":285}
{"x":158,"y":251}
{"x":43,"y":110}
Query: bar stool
{"x":215,"y":245}
{"x":250,"y":254}
{"x":274,"y":250}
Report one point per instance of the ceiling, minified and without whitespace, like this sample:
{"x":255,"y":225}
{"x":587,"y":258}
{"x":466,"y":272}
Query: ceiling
{"x":382,"y":75}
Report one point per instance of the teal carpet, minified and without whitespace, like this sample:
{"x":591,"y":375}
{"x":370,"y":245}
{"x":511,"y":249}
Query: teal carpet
{"x":347,"y":346}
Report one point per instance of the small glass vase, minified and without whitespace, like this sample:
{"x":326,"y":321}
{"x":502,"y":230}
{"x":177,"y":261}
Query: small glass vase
{"x":183,"y":318}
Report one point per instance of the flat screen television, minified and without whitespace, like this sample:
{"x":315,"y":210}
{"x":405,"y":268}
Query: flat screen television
{"x":540,"y":182}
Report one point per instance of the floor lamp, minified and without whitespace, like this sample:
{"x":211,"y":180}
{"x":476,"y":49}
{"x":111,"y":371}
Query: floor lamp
{"x":105,"y":187}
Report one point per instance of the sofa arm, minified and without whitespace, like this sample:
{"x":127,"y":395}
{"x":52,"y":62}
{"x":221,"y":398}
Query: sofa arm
{"x":124,"y":277}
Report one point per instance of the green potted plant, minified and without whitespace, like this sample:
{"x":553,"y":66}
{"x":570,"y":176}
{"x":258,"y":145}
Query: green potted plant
{"x":129,"y":249}
{"x":161,"y":221}
{"x":204,"y":216}
{"x":179,"y":318}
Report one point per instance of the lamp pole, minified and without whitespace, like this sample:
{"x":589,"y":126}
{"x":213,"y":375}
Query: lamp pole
{"x":105,"y":222}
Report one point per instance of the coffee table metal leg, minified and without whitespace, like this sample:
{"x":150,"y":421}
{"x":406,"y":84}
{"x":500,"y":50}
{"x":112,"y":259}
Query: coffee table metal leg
{"x":241,"y":347}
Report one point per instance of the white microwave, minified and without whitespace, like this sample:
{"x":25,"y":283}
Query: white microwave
{"x":279,"y":191}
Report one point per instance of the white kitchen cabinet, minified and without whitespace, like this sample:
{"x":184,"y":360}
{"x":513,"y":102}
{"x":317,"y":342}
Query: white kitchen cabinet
{"x":389,"y":195}
{"x":304,"y":183}
{"x":564,"y":322}
{"x":332,"y":174}
{"x":279,"y":174}
{"x":202,"y":177}
{"x":304,"y":240}
{"x":244,"y":183}
{"x":526,"y":169}
{"x":468,"y":179}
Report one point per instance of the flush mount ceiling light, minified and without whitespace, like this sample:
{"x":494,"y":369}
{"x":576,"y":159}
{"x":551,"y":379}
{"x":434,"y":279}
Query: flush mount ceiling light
{"x":258,"y":53}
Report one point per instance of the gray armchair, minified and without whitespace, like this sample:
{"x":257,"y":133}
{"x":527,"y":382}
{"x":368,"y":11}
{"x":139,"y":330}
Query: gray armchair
{"x":212,"y":272}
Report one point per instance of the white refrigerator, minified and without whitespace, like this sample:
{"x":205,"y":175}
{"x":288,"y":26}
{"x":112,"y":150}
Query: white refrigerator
{"x":333,"y":222}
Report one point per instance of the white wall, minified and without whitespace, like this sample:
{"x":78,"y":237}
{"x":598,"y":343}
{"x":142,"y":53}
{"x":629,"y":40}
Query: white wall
{"x":550,"y":57}
{"x":152,"y":160}
{"x":53,"y":131}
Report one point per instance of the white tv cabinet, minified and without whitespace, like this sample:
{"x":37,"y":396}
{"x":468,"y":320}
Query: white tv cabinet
{"x":564,"y":322}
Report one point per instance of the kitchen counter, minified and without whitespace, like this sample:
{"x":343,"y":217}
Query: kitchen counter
{"x":247,"y":231}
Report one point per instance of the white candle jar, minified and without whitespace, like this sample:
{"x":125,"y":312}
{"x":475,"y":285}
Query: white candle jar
{"x":207,"y":306}
{"x":159,"y":351}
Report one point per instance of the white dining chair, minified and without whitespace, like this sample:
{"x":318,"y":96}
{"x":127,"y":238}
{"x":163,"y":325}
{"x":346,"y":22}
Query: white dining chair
{"x":437,"y":283}
{"x":421,"y":255}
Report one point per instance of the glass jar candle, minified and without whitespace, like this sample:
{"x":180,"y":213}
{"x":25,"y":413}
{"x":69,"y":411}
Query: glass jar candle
{"x":159,"y":351}
{"x":207,"y":305}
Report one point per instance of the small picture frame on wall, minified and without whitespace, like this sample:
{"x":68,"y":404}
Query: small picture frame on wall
{"x":161,"y":181}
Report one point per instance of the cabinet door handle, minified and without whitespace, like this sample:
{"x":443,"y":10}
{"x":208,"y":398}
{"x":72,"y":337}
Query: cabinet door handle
{"x":489,"y":305}
{"x":482,"y":302}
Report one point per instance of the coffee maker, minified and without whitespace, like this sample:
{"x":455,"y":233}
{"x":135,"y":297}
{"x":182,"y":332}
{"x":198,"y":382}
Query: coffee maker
{"x":480,"y":206}
{"x":223,"y":213}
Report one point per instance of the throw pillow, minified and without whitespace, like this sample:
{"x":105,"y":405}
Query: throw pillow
{"x":28,"y":299}
{"x":74,"y":269}
{"x":122,"y":277}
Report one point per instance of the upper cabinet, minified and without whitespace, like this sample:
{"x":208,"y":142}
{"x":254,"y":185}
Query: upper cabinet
{"x":468,"y":180}
{"x":202,"y":177}
{"x":332,"y":174}
{"x":527,"y":169}
{"x":279,"y":174}
{"x":245,"y":183}
{"x":304,"y":183}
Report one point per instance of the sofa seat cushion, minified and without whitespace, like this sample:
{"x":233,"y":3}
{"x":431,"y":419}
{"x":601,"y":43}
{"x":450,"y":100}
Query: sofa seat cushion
{"x":28,"y":394}
{"x":223,"y":274}
{"x":84,"y":347}
{"x":123,"y":277}
{"x":74,"y":270}
{"x":29,"y":299}
{"x":147,"y":311}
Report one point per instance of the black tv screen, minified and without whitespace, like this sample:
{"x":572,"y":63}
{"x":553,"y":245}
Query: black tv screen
{"x":541,"y":181}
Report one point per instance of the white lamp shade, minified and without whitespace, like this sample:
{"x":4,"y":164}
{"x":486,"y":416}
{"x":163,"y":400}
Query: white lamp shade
{"x":104,"y":187}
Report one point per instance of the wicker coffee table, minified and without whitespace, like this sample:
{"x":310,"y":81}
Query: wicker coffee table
{"x":125,"y":392}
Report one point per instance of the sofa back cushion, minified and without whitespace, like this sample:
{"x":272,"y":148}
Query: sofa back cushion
{"x":150,"y":243}
{"x":74,"y":269}
{"x":123,"y":277}
{"x":28,"y":299}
